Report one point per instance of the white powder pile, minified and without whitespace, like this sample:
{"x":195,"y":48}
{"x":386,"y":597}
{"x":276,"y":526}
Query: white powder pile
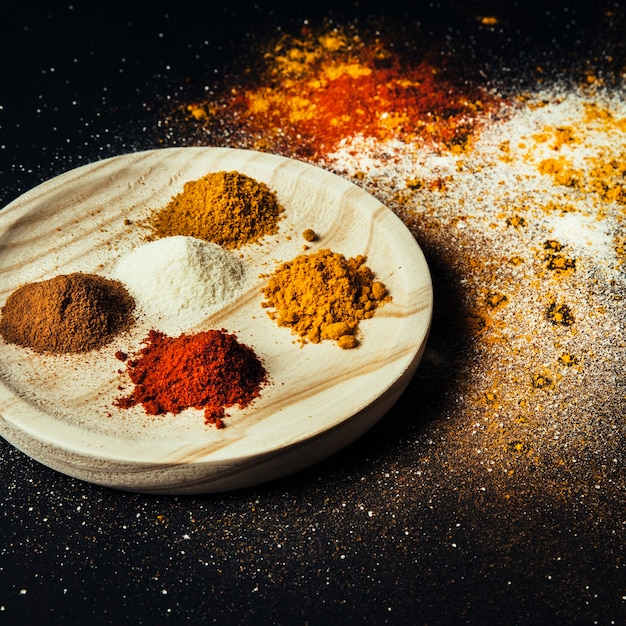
{"x":179,"y":281}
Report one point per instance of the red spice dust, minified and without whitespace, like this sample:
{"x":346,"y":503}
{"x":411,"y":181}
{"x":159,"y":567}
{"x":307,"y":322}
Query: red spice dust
{"x":209,"y":370}
{"x":405,"y":103}
{"x":318,"y":89}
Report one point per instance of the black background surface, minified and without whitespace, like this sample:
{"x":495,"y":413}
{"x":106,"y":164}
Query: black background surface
{"x":80,"y":83}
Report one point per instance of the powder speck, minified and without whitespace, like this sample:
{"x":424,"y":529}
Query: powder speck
{"x":309,"y":234}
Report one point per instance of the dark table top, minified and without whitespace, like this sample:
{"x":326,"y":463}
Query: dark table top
{"x":493,"y":491}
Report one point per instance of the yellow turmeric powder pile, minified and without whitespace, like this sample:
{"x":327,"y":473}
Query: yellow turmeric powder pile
{"x":324,"y":295}
{"x":228,"y":208}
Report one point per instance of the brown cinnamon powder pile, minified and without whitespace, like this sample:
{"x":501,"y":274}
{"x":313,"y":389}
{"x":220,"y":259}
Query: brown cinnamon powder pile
{"x":69,"y":313}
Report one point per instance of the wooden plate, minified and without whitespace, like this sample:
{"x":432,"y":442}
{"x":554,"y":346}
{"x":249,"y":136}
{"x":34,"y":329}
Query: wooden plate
{"x":59,"y":409}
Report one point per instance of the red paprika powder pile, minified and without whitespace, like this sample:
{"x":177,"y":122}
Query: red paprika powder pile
{"x":210,"y":371}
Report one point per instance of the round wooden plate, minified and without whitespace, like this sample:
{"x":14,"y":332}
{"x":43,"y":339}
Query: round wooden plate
{"x":59,"y":409}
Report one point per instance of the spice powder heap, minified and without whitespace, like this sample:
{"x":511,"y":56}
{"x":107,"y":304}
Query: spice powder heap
{"x":324,"y":295}
{"x":181,"y":280}
{"x":69,"y":313}
{"x":230,"y":209}
{"x":209,"y":370}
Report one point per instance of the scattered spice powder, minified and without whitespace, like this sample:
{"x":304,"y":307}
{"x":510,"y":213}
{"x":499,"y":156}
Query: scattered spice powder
{"x":230,"y":209}
{"x":560,"y":314}
{"x":69,"y":313}
{"x":324,"y":295}
{"x":210,"y":371}
{"x":319,"y":87}
{"x":531,"y":219}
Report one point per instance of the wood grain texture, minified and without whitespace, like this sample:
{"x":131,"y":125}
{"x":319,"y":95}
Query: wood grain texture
{"x":59,"y":409}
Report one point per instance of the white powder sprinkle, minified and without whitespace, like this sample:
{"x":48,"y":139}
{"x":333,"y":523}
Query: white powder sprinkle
{"x":501,"y":175}
{"x":525,"y":231}
{"x":179,"y":281}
